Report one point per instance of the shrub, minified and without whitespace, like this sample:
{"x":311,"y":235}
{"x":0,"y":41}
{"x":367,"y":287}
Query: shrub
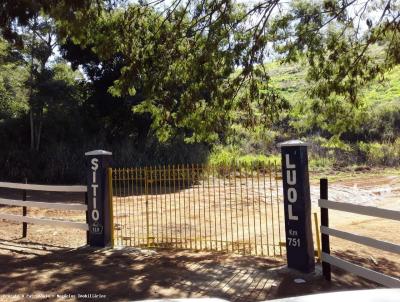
{"x":377,"y":153}
{"x":250,"y":162}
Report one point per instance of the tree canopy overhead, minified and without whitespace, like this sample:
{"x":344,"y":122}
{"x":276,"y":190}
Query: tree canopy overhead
{"x":192,"y":63}
{"x":166,"y":81}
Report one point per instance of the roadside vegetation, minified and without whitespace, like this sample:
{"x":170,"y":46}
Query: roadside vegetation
{"x":189,"y":83}
{"x":367,"y":136}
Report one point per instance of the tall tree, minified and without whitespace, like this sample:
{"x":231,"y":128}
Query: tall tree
{"x":191,"y":58}
{"x":40,"y":42}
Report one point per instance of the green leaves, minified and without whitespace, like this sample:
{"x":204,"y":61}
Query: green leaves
{"x":13,"y":92}
{"x":196,"y":67}
{"x":182,"y":73}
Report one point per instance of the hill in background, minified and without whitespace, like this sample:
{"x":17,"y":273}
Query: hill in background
{"x":340,"y":134}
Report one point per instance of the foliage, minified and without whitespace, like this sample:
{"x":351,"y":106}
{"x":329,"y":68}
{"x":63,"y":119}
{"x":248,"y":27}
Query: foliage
{"x":375,"y":118}
{"x":167,"y":83}
{"x":225,"y":156}
{"x":383,"y":90}
{"x":381,"y":153}
{"x":19,"y":13}
{"x":183,"y":81}
{"x":321,"y":164}
{"x":199,"y":91}
{"x":13,"y":75}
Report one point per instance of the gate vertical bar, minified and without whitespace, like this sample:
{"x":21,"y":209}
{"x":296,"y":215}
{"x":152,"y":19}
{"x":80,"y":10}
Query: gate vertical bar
{"x":278,"y":206}
{"x":209,"y":205}
{"x":172,"y":192}
{"x":236,"y":207}
{"x":162,"y":212}
{"x":110,"y":200}
{"x":254,"y":211}
{"x":259,"y":212}
{"x":141,"y":202}
{"x":180,"y":206}
{"x":165,"y":202}
{"x":248,"y":210}
{"x":134,"y":205}
{"x":183,"y":189}
{"x":215,"y":209}
{"x":194,"y":224}
{"x":204,"y":205}
{"x":175,"y":206}
{"x":272,"y":213}
{"x":317,"y":236}
{"x":230,"y":204}
{"x":155,"y":181}
{"x":225,"y":204}
{"x":242,"y":208}
{"x":199,"y":202}
{"x":151,"y":202}
{"x":146,"y":193}
{"x":117,"y":194}
{"x":123,"y":201}
{"x":266,"y":209}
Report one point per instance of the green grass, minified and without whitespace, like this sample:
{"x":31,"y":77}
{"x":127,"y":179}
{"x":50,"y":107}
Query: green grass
{"x":289,"y":79}
{"x":229,"y":156}
{"x":383,"y":90}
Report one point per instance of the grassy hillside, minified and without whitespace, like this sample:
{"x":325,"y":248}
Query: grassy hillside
{"x":368,"y":134}
{"x":385,"y":90}
{"x":290,"y":79}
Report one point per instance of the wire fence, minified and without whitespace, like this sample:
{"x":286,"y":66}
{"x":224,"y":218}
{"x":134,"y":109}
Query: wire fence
{"x":199,"y":207}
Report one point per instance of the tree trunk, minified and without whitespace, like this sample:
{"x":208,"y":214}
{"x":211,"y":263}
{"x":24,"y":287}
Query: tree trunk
{"x":32,"y":125}
{"x":39,"y":131}
{"x":31,"y":117}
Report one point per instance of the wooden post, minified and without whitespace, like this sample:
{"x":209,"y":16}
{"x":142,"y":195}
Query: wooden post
{"x":326,"y":267}
{"x":24,"y":212}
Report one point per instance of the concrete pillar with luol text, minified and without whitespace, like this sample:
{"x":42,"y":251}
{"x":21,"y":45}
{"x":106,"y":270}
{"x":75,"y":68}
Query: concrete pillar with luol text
{"x":297,"y":206}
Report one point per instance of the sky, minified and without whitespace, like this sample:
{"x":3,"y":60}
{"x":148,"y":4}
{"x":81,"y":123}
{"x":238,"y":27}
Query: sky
{"x":354,"y":10}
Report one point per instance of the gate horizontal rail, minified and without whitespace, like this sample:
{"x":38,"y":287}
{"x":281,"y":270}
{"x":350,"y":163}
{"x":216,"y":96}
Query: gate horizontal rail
{"x":199,"y":207}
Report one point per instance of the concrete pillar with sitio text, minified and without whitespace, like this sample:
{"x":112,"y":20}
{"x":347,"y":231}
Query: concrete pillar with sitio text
{"x":297,"y":206}
{"x":99,"y":220}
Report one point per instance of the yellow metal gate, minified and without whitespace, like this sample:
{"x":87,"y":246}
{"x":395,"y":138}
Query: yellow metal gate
{"x":199,"y":207}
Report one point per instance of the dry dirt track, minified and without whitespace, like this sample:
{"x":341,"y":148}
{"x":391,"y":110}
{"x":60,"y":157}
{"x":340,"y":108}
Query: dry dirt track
{"x":54,"y":266}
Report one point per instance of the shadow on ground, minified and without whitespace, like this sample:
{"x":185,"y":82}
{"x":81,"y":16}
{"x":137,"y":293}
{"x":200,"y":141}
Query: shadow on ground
{"x":131,"y":273}
{"x":136,"y":274}
{"x":341,"y":280}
